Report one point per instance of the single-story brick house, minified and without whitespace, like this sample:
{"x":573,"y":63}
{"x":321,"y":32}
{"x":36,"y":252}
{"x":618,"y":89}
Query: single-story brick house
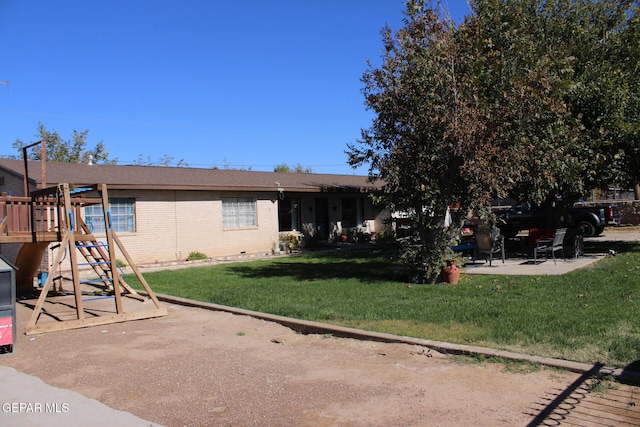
{"x":162,"y":214}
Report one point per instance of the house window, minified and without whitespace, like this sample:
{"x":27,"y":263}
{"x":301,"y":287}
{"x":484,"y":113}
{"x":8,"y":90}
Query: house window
{"x":123,"y":216}
{"x":352,"y":212}
{"x":239,"y":212}
{"x":288,"y":214}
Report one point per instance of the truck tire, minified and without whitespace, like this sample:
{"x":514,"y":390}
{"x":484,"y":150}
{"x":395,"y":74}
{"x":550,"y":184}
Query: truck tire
{"x":588,"y":229}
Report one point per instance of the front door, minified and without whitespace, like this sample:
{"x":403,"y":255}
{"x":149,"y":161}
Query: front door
{"x":322,"y":217}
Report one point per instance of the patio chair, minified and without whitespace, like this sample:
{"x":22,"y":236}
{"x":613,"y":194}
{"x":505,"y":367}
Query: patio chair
{"x":488,"y":241}
{"x":550,"y":245}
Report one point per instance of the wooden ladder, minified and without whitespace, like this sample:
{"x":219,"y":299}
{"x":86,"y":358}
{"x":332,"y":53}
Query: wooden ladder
{"x":96,"y":254}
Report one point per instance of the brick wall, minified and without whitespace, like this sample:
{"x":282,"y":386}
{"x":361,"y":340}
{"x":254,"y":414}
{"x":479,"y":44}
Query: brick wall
{"x":171,"y":225}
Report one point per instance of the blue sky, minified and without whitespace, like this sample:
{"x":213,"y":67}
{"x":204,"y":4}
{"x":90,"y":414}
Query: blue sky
{"x":246,"y":84}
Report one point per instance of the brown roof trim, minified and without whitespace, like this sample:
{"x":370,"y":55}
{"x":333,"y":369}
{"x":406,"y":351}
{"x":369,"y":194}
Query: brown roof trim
{"x":189,"y":179}
{"x":240,"y":188}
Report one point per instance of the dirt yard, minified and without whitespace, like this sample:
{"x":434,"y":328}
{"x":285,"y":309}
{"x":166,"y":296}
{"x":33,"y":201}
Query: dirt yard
{"x":196,"y":367}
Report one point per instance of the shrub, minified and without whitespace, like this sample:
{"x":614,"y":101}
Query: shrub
{"x":291,"y":243}
{"x":383,"y":237}
{"x":195,"y":255}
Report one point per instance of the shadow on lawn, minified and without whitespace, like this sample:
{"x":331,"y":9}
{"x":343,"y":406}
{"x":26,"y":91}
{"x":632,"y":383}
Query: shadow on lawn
{"x":367,"y":266}
{"x":372,"y":265}
{"x":593,"y":246}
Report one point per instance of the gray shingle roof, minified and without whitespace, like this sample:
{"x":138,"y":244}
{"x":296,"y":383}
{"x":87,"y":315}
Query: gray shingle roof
{"x":173,"y":178}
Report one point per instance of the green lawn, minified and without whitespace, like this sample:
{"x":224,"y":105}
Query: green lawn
{"x":590,"y":315}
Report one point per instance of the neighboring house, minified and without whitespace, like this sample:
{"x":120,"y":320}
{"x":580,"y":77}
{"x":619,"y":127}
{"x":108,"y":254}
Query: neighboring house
{"x":162,"y":213}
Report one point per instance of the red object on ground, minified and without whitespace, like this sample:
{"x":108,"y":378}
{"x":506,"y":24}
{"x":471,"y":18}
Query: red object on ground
{"x":537,"y":234}
{"x":6,"y":331}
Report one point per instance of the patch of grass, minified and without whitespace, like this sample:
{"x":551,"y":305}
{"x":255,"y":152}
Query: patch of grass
{"x":466,"y":332}
{"x":601,"y":384}
{"x":509,"y":365}
{"x":589,"y":315}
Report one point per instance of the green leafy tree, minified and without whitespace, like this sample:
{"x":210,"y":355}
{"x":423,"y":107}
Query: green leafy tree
{"x":228,"y":166}
{"x":563,"y":75}
{"x":605,"y":42}
{"x":464,"y":114}
{"x":421,"y":133}
{"x":518,"y":79}
{"x":589,"y":52}
{"x":58,"y":150}
{"x":528,"y":98}
{"x":630,"y":58}
{"x":283,"y":167}
{"x":164,"y":161}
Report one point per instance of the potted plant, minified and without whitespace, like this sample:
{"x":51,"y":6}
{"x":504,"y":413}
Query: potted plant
{"x":344,"y":235}
{"x":451,"y":272}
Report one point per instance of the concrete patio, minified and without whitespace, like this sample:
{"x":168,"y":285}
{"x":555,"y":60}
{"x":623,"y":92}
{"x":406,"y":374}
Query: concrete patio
{"x":523,"y":266}
{"x":526,"y":267}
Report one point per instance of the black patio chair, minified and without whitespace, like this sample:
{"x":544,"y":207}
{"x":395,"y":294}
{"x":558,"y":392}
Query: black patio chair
{"x":488,"y":241}
{"x":550,"y":245}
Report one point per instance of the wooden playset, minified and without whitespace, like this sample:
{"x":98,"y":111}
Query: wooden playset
{"x":53,"y":218}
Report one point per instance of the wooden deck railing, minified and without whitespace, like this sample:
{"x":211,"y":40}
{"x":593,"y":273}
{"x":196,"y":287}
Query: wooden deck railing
{"x":27,"y":220}
{"x":37,"y":219}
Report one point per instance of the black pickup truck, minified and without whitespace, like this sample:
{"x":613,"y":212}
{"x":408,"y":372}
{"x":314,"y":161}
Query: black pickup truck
{"x":591,"y":220}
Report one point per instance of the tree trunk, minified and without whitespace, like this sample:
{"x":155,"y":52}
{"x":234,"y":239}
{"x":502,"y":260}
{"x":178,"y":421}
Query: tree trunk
{"x":637,"y":191}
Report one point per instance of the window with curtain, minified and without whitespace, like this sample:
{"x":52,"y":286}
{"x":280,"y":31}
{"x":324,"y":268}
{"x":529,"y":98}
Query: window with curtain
{"x":123,"y":216}
{"x":239,"y":212}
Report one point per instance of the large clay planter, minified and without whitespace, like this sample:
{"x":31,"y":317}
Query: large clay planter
{"x":451,"y":273}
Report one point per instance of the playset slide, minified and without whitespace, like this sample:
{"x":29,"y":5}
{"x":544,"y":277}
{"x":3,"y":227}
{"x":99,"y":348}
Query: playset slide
{"x":28,"y":263}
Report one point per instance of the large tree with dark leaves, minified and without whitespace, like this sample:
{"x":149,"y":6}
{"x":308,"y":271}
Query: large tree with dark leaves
{"x":603,"y":39}
{"x":464,"y":114}
{"x":592,"y":49}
